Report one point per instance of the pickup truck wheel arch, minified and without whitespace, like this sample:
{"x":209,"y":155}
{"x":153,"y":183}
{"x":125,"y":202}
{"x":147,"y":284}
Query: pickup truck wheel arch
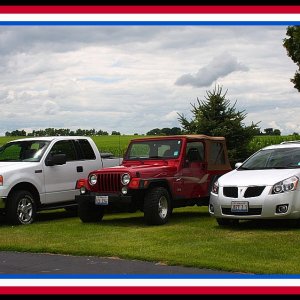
{"x":21,"y":207}
{"x":157,"y":206}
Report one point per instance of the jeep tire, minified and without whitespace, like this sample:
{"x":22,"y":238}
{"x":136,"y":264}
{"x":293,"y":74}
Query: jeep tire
{"x":157,"y":206}
{"x":89,"y":212}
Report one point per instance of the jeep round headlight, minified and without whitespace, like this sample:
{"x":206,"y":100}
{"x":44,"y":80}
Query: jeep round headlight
{"x":125,"y":179}
{"x":93,"y":179}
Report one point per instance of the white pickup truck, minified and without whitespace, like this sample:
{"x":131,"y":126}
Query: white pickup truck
{"x":41,"y":173}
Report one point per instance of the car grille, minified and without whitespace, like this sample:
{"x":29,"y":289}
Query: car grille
{"x":230,"y":191}
{"x":251,"y":212}
{"x":253,"y":191}
{"x":110,"y":182}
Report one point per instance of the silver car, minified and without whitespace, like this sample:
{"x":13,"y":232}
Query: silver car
{"x":265,"y":186}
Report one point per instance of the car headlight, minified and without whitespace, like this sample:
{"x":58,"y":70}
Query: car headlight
{"x":289,"y":184}
{"x":92,"y":179}
{"x":215,"y":187}
{"x":125,"y":179}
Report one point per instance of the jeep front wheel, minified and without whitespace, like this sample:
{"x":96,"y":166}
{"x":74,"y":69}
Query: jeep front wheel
{"x":89,"y":213}
{"x":157,"y":206}
{"x":21,"y":208}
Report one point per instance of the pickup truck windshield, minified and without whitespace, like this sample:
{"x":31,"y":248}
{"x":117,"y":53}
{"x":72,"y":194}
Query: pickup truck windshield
{"x":23,"y":151}
{"x":154,"y":149}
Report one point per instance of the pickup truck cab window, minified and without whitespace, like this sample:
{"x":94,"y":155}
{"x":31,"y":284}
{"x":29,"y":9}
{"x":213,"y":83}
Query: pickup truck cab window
{"x":31,"y":151}
{"x":64,"y":147}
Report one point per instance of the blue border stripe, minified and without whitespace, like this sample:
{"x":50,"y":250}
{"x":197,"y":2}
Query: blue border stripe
{"x":145,"y":276}
{"x":145,"y":23}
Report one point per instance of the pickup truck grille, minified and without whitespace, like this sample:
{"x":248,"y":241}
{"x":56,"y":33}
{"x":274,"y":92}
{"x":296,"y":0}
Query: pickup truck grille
{"x":110,"y":182}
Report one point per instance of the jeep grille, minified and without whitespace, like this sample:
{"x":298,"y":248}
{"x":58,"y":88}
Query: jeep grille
{"x":110,"y":182}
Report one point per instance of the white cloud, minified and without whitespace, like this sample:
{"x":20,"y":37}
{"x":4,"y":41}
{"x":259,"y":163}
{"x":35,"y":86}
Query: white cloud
{"x":122,"y":78}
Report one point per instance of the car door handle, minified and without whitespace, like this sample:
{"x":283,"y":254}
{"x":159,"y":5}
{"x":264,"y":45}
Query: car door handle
{"x":79,"y":169}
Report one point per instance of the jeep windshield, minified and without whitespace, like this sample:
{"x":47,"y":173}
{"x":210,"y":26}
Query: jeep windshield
{"x":154,"y":149}
{"x":280,"y":158}
{"x":23,"y":151}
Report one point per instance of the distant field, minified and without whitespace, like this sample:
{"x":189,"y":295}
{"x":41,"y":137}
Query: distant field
{"x":117,"y":144}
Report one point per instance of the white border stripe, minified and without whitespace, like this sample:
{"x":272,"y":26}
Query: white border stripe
{"x":150,"y":282}
{"x":149,"y":17}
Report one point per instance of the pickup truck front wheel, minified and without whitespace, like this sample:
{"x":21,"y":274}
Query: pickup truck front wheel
{"x":157,"y":206}
{"x":21,"y":208}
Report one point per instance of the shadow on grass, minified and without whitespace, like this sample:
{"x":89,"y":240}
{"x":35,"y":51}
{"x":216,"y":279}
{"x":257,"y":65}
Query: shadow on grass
{"x":278,"y":225}
{"x":176,"y":218}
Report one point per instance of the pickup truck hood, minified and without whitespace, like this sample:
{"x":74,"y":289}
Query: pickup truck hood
{"x":6,"y":166}
{"x":256,"y":177}
{"x":152,"y":170}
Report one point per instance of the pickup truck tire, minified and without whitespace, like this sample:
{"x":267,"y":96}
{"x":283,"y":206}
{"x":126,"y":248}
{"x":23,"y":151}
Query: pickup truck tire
{"x":157,"y":206}
{"x":21,"y":208}
{"x":90,"y":213}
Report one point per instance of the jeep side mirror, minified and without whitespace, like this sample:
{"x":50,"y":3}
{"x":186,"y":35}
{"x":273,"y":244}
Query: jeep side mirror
{"x":56,"y":159}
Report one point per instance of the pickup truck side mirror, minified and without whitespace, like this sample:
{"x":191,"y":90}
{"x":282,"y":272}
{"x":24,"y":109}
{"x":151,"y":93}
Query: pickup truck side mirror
{"x":56,"y":159}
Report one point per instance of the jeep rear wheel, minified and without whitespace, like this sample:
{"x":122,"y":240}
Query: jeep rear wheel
{"x":21,"y":208}
{"x":157,"y":206}
{"x":89,"y":212}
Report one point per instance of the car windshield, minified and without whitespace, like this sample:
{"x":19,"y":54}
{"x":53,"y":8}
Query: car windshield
{"x":280,"y":158}
{"x":23,"y":151}
{"x":154,"y":149}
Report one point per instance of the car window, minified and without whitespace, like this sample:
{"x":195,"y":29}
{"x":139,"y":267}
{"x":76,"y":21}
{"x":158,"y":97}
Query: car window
{"x":280,"y":158}
{"x":217,"y":155}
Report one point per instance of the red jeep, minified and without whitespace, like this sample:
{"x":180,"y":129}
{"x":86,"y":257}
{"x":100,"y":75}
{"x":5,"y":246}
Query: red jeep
{"x":157,"y":174}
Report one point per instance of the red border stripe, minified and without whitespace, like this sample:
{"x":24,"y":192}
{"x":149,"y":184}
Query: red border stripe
{"x":149,"y":9}
{"x":117,"y":290}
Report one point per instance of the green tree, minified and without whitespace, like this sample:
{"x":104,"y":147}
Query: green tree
{"x":215,"y":116}
{"x":292,"y":45}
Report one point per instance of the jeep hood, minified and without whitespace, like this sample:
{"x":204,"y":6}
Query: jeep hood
{"x":256,"y":177}
{"x":154,"y":169}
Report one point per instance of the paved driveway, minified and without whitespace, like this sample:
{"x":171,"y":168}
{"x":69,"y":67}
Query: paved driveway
{"x":38,"y":263}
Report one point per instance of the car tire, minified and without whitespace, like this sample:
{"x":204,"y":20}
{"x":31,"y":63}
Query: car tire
{"x":157,"y":206}
{"x":90,"y":213}
{"x":21,"y":208}
{"x":227,"y":222}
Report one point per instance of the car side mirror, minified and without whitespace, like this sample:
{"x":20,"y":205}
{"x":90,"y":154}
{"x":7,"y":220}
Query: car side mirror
{"x":56,"y":159}
{"x":237,"y":165}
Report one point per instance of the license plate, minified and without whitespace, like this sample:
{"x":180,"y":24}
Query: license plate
{"x":239,"y":206}
{"x":101,"y":200}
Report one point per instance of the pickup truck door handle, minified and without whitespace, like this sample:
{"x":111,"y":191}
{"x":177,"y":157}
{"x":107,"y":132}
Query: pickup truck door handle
{"x":79,"y":169}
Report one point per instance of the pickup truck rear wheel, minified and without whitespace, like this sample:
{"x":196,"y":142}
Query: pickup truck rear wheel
{"x":90,"y":213}
{"x":21,"y":208}
{"x":157,"y":206}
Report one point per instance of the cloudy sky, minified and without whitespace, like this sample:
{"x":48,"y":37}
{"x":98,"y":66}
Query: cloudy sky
{"x":136,"y":78}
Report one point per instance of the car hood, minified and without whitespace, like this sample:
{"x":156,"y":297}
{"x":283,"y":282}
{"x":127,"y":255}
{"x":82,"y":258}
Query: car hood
{"x":6,"y":166}
{"x":256,"y":177}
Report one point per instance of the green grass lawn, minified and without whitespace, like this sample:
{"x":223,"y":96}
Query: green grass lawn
{"x":191,"y":238}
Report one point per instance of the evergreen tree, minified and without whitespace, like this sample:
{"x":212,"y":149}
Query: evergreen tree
{"x":215,"y":116}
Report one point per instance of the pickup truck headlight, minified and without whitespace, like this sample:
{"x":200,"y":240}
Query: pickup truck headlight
{"x":92,"y":179}
{"x":289,"y":184}
{"x":125,"y":179}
